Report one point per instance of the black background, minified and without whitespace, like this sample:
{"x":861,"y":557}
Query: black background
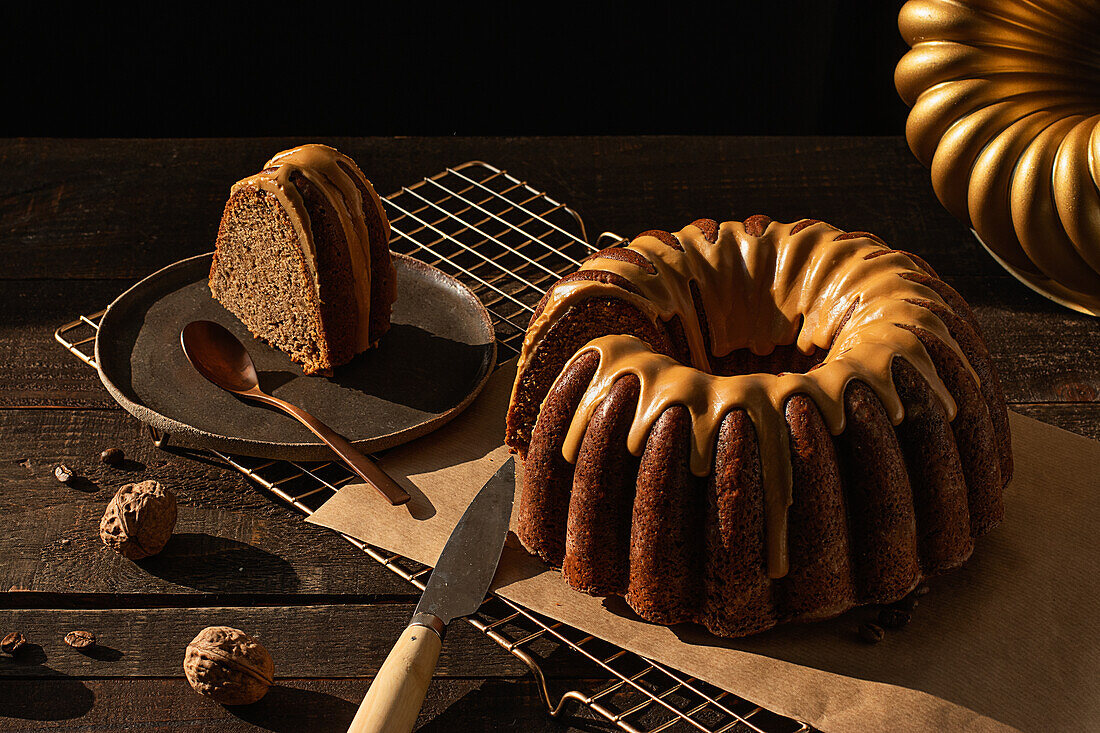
{"x":409,"y":69}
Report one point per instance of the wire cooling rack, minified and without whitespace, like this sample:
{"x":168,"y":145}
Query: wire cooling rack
{"x":508,"y":242}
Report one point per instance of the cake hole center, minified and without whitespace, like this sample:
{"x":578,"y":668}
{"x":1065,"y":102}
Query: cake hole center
{"x":784,"y":359}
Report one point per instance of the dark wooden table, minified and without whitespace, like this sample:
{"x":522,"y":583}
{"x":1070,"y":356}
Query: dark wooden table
{"x":81,"y":220}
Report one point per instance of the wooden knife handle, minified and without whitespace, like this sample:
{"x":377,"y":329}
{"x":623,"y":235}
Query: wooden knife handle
{"x":394,"y":699}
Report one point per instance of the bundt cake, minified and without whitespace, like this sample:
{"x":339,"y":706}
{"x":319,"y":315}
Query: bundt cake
{"x":1005,"y":104}
{"x":750,"y":423}
{"x":302,"y":258}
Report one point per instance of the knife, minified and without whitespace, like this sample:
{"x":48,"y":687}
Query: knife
{"x":456,"y":587}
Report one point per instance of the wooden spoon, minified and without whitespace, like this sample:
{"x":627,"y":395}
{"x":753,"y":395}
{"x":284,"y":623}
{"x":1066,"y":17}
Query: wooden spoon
{"x":220,"y":357}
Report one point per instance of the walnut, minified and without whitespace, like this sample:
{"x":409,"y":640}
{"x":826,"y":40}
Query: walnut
{"x":139,"y":520}
{"x":228,"y":665}
{"x":12,"y":643}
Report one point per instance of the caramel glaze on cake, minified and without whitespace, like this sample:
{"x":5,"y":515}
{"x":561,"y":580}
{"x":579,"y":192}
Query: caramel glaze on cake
{"x":302,"y":257}
{"x":749,"y":423}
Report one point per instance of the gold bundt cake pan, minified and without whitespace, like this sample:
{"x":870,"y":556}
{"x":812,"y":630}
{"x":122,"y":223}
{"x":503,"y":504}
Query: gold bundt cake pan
{"x":1005,"y":110}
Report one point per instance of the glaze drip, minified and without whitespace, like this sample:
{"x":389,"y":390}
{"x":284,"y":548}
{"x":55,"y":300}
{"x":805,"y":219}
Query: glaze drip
{"x":807,"y":288}
{"x":330,"y":171}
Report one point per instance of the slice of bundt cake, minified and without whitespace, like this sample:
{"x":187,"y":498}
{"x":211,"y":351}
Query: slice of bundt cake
{"x":302,"y":258}
{"x":750,"y":423}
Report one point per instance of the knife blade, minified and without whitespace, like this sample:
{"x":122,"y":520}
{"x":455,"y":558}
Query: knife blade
{"x":456,"y":588}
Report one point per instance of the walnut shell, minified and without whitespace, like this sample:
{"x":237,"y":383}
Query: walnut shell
{"x":139,"y":520}
{"x":228,"y":665}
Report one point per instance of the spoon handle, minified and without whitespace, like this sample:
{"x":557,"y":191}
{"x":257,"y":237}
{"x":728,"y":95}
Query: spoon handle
{"x":364,"y":467}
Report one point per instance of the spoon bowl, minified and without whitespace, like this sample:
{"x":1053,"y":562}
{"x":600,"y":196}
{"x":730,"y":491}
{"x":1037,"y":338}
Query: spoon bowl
{"x":219,"y":356}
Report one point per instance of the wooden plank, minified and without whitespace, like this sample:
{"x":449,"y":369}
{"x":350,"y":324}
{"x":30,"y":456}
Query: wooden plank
{"x":305,"y":641}
{"x":123,"y":208}
{"x":49,"y":531}
{"x":1042,"y":351}
{"x":36,"y":369}
{"x":230,"y":537}
{"x":213,"y":555}
{"x":292,"y":705}
{"x":1083,"y":419}
{"x":32,"y":442}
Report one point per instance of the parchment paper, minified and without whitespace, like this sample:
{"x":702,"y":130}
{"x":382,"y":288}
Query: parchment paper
{"x":1010,"y":640}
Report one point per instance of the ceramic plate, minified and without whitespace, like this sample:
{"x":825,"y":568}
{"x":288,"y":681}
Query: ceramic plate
{"x":434,"y":360}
